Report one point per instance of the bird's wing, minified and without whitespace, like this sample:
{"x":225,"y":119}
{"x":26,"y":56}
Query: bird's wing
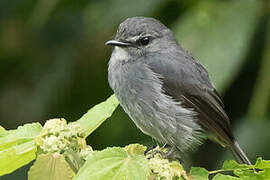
{"x":187,"y":81}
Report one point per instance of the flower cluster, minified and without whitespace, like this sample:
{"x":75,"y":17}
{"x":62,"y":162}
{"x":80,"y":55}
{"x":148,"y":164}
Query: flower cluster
{"x":163,"y":169}
{"x":68,"y":139}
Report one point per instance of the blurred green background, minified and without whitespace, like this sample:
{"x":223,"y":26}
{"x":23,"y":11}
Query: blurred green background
{"x":53,"y":63}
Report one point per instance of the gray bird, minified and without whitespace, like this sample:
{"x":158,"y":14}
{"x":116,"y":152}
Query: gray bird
{"x":165,"y":91}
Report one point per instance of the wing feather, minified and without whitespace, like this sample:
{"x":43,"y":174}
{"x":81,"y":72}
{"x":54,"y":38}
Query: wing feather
{"x":187,"y":81}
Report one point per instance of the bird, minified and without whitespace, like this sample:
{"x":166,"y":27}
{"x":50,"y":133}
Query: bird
{"x":165,"y":90}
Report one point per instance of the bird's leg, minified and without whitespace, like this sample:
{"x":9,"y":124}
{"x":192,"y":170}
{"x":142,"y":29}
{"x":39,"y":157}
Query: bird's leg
{"x":151,"y":152}
{"x":172,"y":154}
{"x":166,"y":152}
{"x":149,"y":149}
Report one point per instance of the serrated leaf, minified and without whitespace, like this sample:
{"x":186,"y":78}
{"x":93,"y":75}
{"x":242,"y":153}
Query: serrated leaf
{"x":16,"y":156}
{"x":262,"y":164}
{"x":251,"y":175}
{"x":136,"y":149}
{"x":98,"y":114}
{"x":199,"y":173}
{"x":232,"y":165}
{"x":50,"y":166}
{"x":246,"y":172}
{"x":115,"y":164}
{"x":219,"y":33}
{"x":3,"y":132}
{"x":18,"y":147}
{"x":22,"y":134}
{"x":224,"y":177}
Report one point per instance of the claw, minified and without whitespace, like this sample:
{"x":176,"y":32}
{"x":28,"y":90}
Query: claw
{"x":170,"y":153}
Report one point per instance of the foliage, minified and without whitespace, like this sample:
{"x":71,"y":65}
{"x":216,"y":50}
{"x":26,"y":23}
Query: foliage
{"x":50,"y":166}
{"x":97,"y":115}
{"x":259,"y":171}
{"x":62,"y":153}
{"x":17,"y":147}
{"x":116,"y":163}
{"x":55,"y":142}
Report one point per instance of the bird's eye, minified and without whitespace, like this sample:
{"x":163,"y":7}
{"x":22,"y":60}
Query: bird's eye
{"x":144,"y":41}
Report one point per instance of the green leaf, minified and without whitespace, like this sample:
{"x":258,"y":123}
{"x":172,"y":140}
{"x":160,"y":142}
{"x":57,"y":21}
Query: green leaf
{"x":262,"y":164}
{"x":15,"y":157}
{"x":245,"y":172}
{"x":219,"y":33}
{"x":18,"y":147}
{"x":199,"y":173}
{"x":3,"y":132}
{"x":251,"y":175}
{"x":135,"y":149}
{"x":98,"y":114}
{"x":232,"y":165}
{"x":116,"y":163}
{"x":22,"y":134}
{"x":264,"y":173}
{"x":224,"y":177}
{"x":50,"y":166}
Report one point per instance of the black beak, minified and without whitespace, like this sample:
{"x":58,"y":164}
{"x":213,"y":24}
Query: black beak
{"x":117,"y":43}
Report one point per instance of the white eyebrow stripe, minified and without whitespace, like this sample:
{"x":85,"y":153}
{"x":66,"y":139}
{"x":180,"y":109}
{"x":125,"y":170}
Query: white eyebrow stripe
{"x":133,"y":39}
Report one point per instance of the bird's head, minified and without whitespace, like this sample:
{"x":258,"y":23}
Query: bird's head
{"x":138,"y":36}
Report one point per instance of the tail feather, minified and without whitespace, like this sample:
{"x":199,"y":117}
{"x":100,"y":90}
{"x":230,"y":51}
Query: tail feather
{"x":239,"y":154}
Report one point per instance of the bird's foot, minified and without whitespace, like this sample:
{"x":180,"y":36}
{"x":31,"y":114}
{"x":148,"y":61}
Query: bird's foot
{"x":155,"y":151}
{"x":166,"y":152}
{"x":172,"y":154}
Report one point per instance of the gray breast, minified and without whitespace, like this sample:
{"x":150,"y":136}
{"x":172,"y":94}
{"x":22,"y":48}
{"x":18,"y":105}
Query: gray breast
{"x":140,"y":93}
